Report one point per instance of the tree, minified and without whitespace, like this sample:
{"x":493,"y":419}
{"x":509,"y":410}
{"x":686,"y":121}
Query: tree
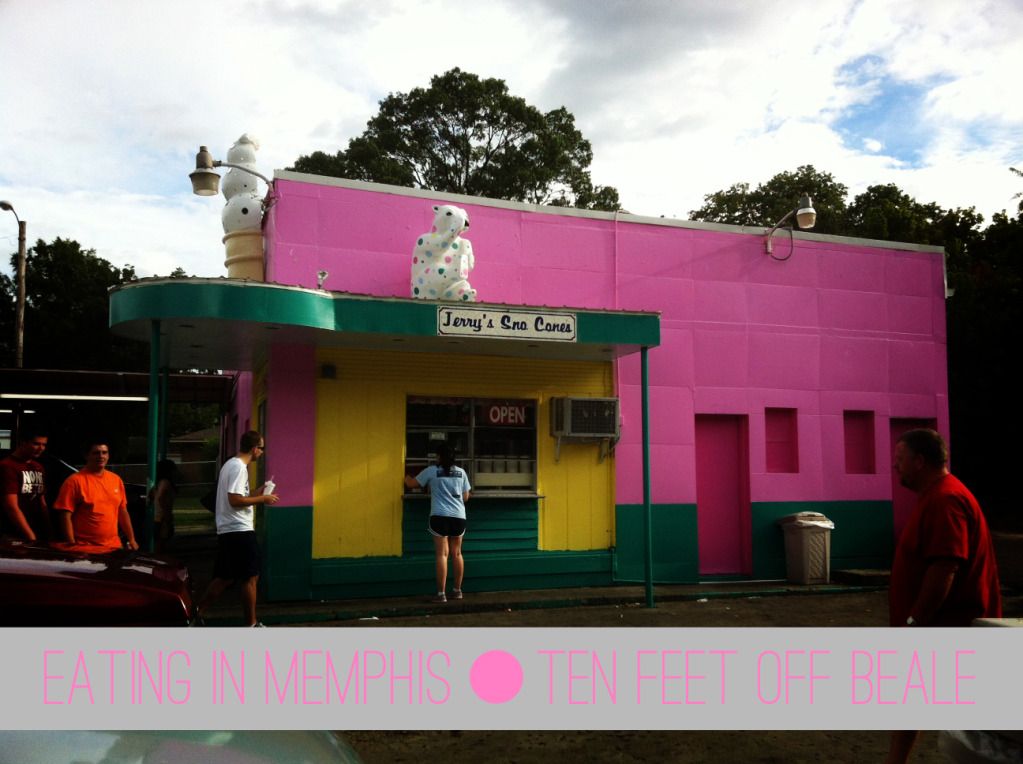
{"x":985,"y":324}
{"x":887,"y":213}
{"x":782,"y":192}
{"x":769,"y":202}
{"x":736,"y":205}
{"x":66,"y":310}
{"x":470,"y":136}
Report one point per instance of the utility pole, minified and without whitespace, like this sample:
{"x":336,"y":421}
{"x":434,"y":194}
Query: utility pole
{"x":19,"y":321}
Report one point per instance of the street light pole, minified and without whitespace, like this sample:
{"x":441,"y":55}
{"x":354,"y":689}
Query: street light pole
{"x":19,"y":319}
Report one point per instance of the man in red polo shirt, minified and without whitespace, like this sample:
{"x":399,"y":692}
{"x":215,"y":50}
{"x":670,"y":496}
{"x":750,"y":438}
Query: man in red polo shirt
{"x":944,"y":572}
{"x":24,"y":513}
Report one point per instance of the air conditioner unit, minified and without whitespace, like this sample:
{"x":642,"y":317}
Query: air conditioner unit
{"x":584,"y":418}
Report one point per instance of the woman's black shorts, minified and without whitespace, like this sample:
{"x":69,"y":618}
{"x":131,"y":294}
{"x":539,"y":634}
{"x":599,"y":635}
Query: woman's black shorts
{"x":447,"y":526}
{"x":237,"y":556}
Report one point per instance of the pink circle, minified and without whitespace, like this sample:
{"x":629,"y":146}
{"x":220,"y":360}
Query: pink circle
{"x":496,"y":676}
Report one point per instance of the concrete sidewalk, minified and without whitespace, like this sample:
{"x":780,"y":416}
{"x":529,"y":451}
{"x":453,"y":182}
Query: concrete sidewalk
{"x":197,"y":552}
{"x":225,"y":612}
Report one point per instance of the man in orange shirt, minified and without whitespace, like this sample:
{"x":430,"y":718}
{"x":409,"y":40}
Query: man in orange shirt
{"x":91,"y":510}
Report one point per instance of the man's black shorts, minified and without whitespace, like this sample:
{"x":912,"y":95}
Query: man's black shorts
{"x":237,"y":556}
{"x":446,"y":526}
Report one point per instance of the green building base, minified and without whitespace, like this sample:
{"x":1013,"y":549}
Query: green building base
{"x":501,"y":551}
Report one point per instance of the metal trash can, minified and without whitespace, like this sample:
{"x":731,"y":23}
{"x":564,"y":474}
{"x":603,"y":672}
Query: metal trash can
{"x":807,"y":547}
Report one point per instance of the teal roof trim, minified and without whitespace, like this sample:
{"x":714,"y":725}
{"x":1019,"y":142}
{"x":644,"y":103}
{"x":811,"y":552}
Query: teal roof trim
{"x":221,"y":323}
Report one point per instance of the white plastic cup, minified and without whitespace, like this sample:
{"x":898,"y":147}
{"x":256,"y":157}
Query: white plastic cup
{"x":268,"y":487}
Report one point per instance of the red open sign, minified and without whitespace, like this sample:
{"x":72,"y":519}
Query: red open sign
{"x":504,"y":414}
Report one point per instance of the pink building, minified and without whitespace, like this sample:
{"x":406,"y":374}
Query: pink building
{"x":775,"y":386}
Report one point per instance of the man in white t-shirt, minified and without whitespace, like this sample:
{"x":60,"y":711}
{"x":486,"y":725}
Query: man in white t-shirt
{"x":238,"y":556}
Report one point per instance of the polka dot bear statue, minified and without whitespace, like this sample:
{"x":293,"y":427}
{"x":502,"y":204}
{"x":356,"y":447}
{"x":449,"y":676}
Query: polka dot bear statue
{"x":441,"y":260}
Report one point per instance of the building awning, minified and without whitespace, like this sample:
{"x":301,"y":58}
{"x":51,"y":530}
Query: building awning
{"x":227,"y":324}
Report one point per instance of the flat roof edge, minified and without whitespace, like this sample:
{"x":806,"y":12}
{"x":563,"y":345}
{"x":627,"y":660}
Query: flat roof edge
{"x":309,"y":316}
{"x":356,"y":296}
{"x":623,"y":217}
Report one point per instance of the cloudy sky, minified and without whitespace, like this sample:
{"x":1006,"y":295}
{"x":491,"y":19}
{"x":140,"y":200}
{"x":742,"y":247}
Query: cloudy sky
{"x":104,"y":103}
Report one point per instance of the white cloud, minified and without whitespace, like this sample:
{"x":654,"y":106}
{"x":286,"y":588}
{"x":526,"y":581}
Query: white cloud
{"x":112,"y":99}
{"x":144,"y":231}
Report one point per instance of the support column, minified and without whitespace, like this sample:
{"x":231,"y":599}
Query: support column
{"x":164,"y":399}
{"x":648,"y":542}
{"x":153,"y":439}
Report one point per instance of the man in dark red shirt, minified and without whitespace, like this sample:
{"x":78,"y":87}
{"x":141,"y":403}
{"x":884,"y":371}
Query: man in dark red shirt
{"x":24,"y":513}
{"x":944,"y":572}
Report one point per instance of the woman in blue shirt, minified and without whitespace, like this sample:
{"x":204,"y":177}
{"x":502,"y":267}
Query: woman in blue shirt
{"x":449,"y":488}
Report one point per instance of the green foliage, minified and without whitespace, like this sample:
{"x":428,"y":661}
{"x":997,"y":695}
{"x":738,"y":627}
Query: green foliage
{"x":210,"y":450}
{"x":885,"y":212}
{"x":470,"y":136}
{"x":781,"y":194}
{"x":66,"y":310}
{"x":985,"y":330}
{"x":881,"y":212}
{"x":184,"y":418}
{"x":769,"y":202}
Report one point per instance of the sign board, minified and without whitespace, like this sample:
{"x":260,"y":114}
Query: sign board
{"x":499,"y":414}
{"x":546,"y":326}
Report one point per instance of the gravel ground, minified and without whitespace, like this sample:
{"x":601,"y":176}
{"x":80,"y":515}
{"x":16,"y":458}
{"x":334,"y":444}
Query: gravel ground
{"x":633,"y":747}
{"x":770,"y":747}
{"x":525,"y":747}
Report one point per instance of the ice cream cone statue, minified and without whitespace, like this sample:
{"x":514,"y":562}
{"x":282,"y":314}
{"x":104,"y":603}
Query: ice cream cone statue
{"x":243,"y":214}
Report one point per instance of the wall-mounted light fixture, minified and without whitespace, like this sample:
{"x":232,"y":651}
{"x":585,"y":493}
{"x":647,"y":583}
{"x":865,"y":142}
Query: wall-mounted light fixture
{"x":206,"y":182}
{"x":806,"y":216}
{"x":243,"y":213}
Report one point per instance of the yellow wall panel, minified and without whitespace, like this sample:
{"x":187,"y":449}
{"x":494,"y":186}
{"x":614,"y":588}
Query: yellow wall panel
{"x":360,"y":444}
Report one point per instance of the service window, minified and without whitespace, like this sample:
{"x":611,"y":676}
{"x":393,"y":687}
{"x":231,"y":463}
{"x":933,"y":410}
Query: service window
{"x":494,"y":440}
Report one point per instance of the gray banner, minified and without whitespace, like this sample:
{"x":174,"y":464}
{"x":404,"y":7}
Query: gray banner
{"x":627,"y":679}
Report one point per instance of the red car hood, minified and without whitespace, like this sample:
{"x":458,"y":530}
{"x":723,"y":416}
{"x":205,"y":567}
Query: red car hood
{"x":46,"y":586}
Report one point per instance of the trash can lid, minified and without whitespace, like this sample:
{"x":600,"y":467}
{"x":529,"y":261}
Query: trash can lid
{"x":823,"y":522}
{"x":806,"y":520}
{"x":799,"y":516}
